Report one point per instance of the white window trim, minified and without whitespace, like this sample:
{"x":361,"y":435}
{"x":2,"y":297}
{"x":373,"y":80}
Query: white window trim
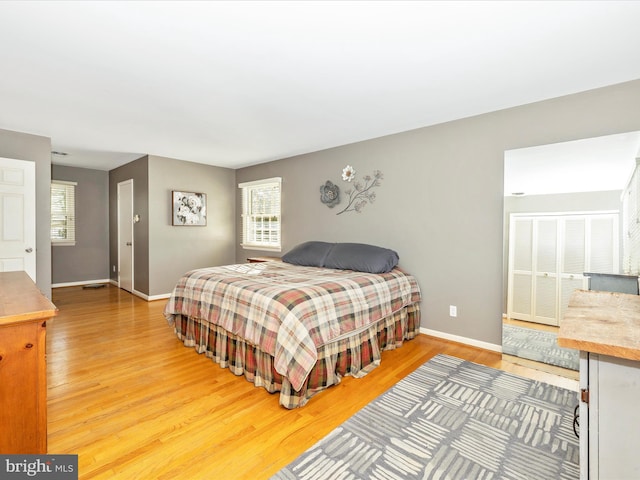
{"x":260,"y":246}
{"x":65,"y":242}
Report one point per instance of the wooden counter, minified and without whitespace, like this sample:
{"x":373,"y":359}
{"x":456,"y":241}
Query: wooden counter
{"x":602,"y":322}
{"x":24,"y":312}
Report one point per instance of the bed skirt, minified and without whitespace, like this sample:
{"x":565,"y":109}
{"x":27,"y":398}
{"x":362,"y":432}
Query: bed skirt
{"x":355,"y":356}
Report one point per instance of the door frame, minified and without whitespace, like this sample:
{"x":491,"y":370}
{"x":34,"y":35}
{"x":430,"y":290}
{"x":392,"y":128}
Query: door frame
{"x":129,"y":212}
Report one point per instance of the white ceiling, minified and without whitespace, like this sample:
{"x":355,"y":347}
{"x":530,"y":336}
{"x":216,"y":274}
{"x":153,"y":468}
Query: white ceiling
{"x":238,"y":83}
{"x":588,"y":165}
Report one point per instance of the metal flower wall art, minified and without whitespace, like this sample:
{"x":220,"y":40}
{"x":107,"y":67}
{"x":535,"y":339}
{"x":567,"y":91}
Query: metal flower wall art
{"x":361,"y":193}
{"x":348,"y":173}
{"x":330,"y":194}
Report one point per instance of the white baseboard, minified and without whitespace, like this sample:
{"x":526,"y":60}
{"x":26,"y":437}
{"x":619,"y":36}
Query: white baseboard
{"x":148,"y":298}
{"x":78,"y":284}
{"x":467,"y":341}
{"x":151,"y":298}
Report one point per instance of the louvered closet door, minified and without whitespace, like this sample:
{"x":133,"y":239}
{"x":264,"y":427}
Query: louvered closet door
{"x":521,"y":265}
{"x":573,"y":260}
{"x":545,"y":289}
{"x":548,"y":255}
{"x":604,"y":247}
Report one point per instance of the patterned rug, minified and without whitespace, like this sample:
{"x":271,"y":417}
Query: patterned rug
{"x":539,"y":346}
{"x":452,"y":419}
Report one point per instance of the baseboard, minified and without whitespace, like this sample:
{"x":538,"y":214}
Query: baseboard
{"x":144,"y":296}
{"x":79,"y":284}
{"x":151,"y":298}
{"x":467,"y":341}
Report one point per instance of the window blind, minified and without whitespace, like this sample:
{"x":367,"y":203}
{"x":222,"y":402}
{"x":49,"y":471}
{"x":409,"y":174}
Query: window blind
{"x":63,"y":212}
{"x":261,"y":219}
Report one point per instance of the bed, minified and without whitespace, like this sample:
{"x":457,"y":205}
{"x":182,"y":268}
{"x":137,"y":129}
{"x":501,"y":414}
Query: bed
{"x":297,"y":326}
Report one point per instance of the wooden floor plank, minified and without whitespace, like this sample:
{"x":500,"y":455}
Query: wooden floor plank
{"x":133,"y":402}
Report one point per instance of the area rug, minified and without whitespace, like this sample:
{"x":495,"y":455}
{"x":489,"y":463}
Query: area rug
{"x":452,"y":419}
{"x":539,"y":346}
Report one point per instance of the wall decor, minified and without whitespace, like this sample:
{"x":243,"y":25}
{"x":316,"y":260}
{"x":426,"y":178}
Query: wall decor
{"x":330,"y":194}
{"x":362,"y":193}
{"x":189,"y":208}
{"x":348,"y":173}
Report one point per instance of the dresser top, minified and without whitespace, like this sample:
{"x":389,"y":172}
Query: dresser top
{"x":21,"y":301}
{"x":602,"y":322}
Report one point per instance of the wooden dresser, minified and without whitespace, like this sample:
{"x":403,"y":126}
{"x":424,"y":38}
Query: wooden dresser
{"x":24,"y":312}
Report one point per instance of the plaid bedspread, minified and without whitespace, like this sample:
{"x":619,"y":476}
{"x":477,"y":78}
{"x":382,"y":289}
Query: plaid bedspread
{"x":287,"y":310}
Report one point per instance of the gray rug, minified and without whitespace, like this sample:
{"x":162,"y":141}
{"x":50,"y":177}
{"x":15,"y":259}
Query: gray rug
{"x":452,"y":419}
{"x":539,"y":346}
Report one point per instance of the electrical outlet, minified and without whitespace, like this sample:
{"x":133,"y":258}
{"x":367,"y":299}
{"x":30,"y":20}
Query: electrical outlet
{"x":453,"y":311}
{"x":114,"y":269}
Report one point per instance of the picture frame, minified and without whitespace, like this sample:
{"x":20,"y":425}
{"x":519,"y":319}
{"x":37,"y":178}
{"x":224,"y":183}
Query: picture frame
{"x":188,"y":209}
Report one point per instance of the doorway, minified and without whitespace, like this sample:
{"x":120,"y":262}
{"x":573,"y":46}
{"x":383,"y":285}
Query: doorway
{"x":584,"y":176}
{"x":125,"y":235}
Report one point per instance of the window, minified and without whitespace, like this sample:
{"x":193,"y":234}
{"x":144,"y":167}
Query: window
{"x":63,"y":213}
{"x":261,"y":214}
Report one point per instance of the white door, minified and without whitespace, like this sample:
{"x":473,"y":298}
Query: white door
{"x":125,"y":235}
{"x":18,"y":216}
{"x":573,"y":258}
{"x":545,"y":282}
{"x":521,"y":269}
{"x":603,"y":244}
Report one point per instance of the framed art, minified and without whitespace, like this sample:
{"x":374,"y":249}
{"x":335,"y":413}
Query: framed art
{"x":189,"y":208}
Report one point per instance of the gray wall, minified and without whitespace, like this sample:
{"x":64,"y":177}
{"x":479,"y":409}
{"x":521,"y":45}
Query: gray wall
{"x":173,"y":250}
{"x":164,"y":252}
{"x":34,"y":148}
{"x":441,"y":201}
{"x":88,"y":259}
{"x":138,"y":171}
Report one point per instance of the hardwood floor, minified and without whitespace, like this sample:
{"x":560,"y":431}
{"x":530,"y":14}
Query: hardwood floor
{"x":132,"y":402}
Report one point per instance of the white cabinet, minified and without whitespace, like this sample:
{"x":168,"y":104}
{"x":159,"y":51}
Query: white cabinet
{"x":548,"y":254}
{"x":610,"y":421}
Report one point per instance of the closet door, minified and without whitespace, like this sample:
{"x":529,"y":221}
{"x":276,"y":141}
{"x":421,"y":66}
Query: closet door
{"x":520,"y":287}
{"x":545,"y":288}
{"x":573,"y":262}
{"x":548,"y":255}
{"x":603,"y":248}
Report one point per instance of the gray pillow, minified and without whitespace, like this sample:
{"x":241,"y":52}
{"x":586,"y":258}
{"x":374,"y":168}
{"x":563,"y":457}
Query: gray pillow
{"x":308,"y":254}
{"x":361,"y":257}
